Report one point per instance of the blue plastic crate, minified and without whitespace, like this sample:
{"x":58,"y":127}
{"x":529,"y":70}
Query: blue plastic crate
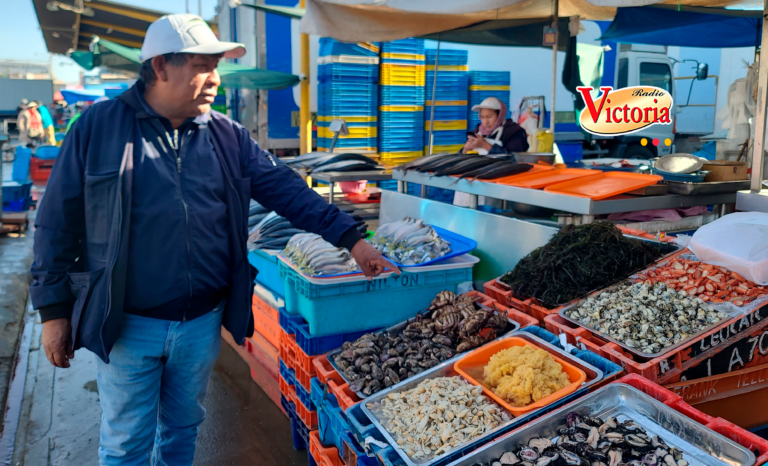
{"x":445,"y":138}
{"x":330,"y":47}
{"x":348,"y":143}
{"x":338,"y":308}
{"x":490,"y":78}
{"x":289,"y":375}
{"x":447,"y":76}
{"x":345,"y":72}
{"x":47,"y":152}
{"x":19,"y":205}
{"x":446,"y":112}
{"x":268,"y":276}
{"x":299,"y":432}
{"x":403,"y":147}
{"x":389,"y":185}
{"x":22,"y":158}
{"x":447,"y":56}
{"x":571,"y":151}
{"x":401,"y":93}
{"x":409,"y":117}
{"x":449,"y":94}
{"x":15,"y":191}
{"x":314,"y":345}
{"x":403,"y":46}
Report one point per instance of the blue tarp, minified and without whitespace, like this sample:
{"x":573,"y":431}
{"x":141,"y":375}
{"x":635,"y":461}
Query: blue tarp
{"x":73,"y":96}
{"x":689,"y":27}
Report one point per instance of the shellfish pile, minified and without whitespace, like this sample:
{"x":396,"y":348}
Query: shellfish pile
{"x":455,"y":324}
{"x":587,"y":440}
{"x":647,"y":317}
{"x":409,"y":242}
{"x":438,"y":415}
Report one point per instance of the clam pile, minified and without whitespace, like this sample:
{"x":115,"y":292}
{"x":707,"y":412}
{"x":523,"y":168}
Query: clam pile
{"x":645,"y":316}
{"x":438,"y":415}
{"x":590,"y":441}
{"x":452,"y":324}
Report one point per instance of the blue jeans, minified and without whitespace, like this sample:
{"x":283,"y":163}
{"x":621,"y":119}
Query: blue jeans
{"x":153,"y":388}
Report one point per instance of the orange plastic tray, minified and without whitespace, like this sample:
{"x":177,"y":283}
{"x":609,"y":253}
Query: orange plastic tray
{"x":604,"y":185}
{"x":542,"y":179}
{"x":535,"y":168}
{"x":471,"y":368}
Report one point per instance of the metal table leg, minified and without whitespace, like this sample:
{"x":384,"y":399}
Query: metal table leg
{"x":423,"y":191}
{"x":402,"y":187}
{"x":473,"y":201}
{"x":331,"y":185}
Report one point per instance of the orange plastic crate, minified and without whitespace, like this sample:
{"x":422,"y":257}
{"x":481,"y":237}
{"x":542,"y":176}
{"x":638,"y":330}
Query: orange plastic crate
{"x":266,"y":320}
{"x":261,"y":349}
{"x":308,"y":417}
{"x":261,"y":374}
{"x":530,"y":306}
{"x":323,"y":456}
{"x":747,"y":439}
{"x":287,"y":348}
{"x":722,"y":386}
{"x":518,"y":316}
{"x":40,"y":169}
{"x":731,"y":345}
{"x":335,"y":384}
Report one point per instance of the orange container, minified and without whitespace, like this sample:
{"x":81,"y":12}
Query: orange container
{"x":287,"y":348}
{"x":266,"y":320}
{"x":471,"y":368}
{"x":40,"y":169}
{"x":604,"y":185}
{"x":542,"y":179}
{"x":530,"y":306}
{"x":304,"y":361}
{"x":261,"y":349}
{"x":261,"y":374}
{"x":323,"y":456}
{"x":336,"y":385}
{"x":536,"y":168}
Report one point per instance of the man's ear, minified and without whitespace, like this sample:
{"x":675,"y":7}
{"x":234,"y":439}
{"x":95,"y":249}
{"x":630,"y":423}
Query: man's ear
{"x":160,"y":66}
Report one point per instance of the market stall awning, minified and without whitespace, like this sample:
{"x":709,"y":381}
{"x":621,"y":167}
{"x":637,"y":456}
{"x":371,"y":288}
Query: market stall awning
{"x":81,"y":95}
{"x":107,"y":54}
{"x":688,"y":27}
{"x":505,"y":32}
{"x":293,"y":13}
{"x":70,"y":24}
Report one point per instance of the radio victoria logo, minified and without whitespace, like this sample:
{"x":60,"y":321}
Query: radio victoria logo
{"x":624,"y":111}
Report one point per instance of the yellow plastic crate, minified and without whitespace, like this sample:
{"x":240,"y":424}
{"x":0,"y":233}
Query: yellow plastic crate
{"x":369,"y":46}
{"x":447,"y":103}
{"x":401,"y":108}
{"x":448,"y":68}
{"x":401,"y":155}
{"x":350,"y":119}
{"x":403,"y":56}
{"x":403,"y":81}
{"x":354,"y":132}
{"x":488,"y":88}
{"x":447,"y":125}
{"x":361,"y":150}
{"x":447,"y":149}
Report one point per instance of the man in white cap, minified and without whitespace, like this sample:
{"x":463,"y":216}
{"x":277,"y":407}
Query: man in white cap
{"x":140,"y":248}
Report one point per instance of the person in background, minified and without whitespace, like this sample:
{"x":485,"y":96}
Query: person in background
{"x":29,"y":124}
{"x":75,"y":116}
{"x":49,"y":131}
{"x":140,"y":246}
{"x":495,"y":134}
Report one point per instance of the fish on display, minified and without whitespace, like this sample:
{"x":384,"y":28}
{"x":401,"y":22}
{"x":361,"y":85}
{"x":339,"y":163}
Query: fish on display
{"x":321,"y":161}
{"x":347,"y":166}
{"x":409,"y":242}
{"x":272,"y":232}
{"x":314,"y":256}
{"x":498,"y":169}
{"x":421,"y":161}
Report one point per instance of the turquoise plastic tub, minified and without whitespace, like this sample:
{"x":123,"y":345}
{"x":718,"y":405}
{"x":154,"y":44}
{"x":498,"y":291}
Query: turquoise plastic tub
{"x":268,"y":275}
{"x":360,"y":305}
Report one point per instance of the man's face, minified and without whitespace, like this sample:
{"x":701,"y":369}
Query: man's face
{"x":192,"y":87}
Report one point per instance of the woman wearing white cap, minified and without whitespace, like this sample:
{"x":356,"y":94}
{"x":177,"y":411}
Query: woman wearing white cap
{"x":495,"y":134}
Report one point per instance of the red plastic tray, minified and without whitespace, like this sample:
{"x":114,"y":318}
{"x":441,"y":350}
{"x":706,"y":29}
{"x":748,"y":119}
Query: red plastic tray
{"x":604,"y":185}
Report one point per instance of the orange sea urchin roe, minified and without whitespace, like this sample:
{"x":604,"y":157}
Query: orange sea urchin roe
{"x":523,"y":375}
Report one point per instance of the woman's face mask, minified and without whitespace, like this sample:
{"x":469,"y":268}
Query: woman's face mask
{"x":488,"y":118}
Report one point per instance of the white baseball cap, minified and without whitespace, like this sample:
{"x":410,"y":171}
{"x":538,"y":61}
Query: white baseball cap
{"x":185,"y":34}
{"x":491,"y":103}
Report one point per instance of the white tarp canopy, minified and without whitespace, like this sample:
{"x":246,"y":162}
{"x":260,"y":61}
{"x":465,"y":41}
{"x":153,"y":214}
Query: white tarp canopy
{"x":386,"y":20}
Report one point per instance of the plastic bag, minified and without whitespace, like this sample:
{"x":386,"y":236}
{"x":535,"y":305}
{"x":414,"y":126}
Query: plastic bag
{"x":738,"y":242}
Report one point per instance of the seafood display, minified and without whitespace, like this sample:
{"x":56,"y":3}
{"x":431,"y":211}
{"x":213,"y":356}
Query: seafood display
{"x":579,"y":260}
{"x":707,"y":282}
{"x":409,"y":242}
{"x":472,"y":167}
{"x":453,"y":324}
{"x":272,"y":232}
{"x":522,"y":375}
{"x":314,"y":256}
{"x":588,"y":440}
{"x":318,"y":162}
{"x":438,"y":415}
{"x":646,"y":317}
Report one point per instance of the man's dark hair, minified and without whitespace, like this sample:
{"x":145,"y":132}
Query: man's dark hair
{"x":147,"y":73}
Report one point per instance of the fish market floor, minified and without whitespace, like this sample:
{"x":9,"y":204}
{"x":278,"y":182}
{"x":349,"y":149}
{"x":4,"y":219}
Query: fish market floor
{"x":60,"y":416}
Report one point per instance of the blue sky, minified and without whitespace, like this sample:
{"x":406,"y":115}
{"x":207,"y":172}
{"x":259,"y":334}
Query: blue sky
{"x":22,"y":40}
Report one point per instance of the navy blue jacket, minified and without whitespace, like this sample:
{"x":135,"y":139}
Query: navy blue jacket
{"x":84,"y":221}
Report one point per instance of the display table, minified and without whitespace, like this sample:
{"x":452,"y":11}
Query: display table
{"x":337,"y":177}
{"x":586,"y":207}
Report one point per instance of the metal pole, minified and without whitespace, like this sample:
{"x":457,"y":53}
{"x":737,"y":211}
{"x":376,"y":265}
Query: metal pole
{"x":555,"y":24}
{"x":434,"y":93}
{"x":758,"y":148}
{"x":305,"y":119}
{"x":186,"y":2}
{"x":200,"y":8}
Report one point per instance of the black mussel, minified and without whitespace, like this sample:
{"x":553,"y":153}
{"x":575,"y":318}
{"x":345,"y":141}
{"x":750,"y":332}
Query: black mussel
{"x":592,"y":421}
{"x":347,"y":354}
{"x":578,"y":437}
{"x":570,"y":457}
{"x":350,"y":374}
{"x":669,"y":460}
{"x":442,"y":339}
{"x":638,"y":443}
{"x":357,"y":385}
{"x":550,"y":459}
{"x":593,"y":437}
{"x":427,"y":363}
{"x":528,"y":454}
{"x":376,"y":373}
{"x":400,"y":348}
{"x":393,"y":353}
{"x":392,"y":375}
{"x":365,"y":368}
{"x":418,"y":370}
{"x":613,"y":437}
{"x":403,"y":372}
{"x":342,"y":363}
{"x":410,"y":374}
{"x":614,"y":457}
{"x":658,"y":442}
{"x":650,"y":459}
{"x":358,"y":362}
{"x":631,"y":426}
{"x":540,"y":444}
{"x":677,"y":453}
{"x":346,"y":345}
{"x":364,"y":343}
{"x":384,"y":357}
{"x":508,"y":459}
{"x":573,"y":418}
{"x":388,"y":382}
{"x":392,"y":363}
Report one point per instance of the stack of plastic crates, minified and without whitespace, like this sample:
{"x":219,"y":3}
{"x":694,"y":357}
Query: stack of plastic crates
{"x":484,"y":84}
{"x":450,"y":126}
{"x":401,"y":105}
{"x":347,"y":89}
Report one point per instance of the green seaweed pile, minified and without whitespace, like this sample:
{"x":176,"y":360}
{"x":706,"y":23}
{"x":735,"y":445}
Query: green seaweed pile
{"x":579,"y":260}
